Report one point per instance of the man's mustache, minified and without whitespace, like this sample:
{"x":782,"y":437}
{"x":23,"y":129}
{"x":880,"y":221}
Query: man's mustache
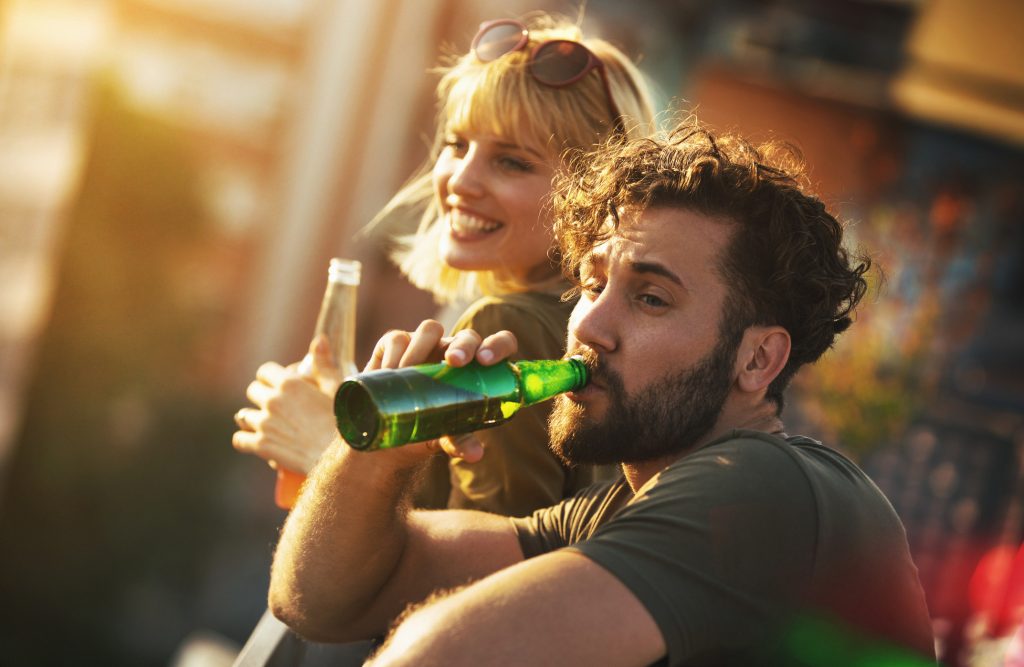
{"x":597,"y":367}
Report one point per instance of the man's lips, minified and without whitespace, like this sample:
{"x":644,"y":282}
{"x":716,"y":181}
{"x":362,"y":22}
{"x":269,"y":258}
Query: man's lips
{"x":592,"y":389}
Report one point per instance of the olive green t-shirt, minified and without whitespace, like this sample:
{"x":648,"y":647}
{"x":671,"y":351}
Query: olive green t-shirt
{"x":745,"y":548}
{"x":518,"y":473}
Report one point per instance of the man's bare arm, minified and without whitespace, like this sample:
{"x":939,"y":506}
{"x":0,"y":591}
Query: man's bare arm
{"x":556,"y":609}
{"x":352,"y":554}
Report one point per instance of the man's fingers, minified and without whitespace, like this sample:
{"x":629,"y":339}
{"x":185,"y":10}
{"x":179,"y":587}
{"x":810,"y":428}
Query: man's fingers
{"x":397,"y":349}
{"x":424,"y":343}
{"x":388,"y":351}
{"x":462,"y":348}
{"x":466,"y":447}
{"x":496,"y":347}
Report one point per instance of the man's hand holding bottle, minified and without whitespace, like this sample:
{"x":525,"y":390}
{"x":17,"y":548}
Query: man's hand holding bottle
{"x":401,"y":349}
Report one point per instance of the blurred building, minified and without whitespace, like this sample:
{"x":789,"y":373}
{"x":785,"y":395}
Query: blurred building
{"x":303,"y":115}
{"x":49,"y":53}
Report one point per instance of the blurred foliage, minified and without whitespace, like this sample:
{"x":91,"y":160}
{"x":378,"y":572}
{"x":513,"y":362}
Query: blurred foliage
{"x":863,"y":393}
{"x":942,"y":252}
{"x":108,"y":510}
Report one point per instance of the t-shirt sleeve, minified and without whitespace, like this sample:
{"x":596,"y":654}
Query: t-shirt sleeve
{"x":540,"y":532}
{"x":716,"y":548}
{"x":568,"y":522}
{"x":518,"y":472}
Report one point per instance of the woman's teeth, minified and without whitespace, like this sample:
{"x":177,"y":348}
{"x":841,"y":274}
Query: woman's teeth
{"x":464,"y":223}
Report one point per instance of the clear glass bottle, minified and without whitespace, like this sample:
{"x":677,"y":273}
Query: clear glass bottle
{"x":337,"y":320}
{"x":392,"y":407}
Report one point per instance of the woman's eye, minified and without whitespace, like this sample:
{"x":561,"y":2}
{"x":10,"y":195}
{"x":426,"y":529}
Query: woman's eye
{"x":515,"y":164}
{"x":591,"y":289}
{"x":457,"y":144}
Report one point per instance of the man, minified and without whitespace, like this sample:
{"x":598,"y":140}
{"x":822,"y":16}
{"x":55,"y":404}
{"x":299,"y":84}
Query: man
{"x":707,"y":279}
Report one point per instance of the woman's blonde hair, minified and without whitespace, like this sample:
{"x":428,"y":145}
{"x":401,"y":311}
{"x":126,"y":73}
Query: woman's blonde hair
{"x":502,"y":98}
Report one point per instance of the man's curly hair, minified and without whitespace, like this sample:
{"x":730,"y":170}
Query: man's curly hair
{"x":785,"y":264}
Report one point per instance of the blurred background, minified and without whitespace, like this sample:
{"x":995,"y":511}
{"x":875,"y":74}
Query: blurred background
{"x":176,"y":174}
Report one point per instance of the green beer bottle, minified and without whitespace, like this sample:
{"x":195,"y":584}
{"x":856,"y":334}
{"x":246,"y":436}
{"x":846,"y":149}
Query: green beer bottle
{"x":391,"y":407}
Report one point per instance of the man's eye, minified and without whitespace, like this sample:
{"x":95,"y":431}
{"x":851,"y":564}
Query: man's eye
{"x":591,"y":288}
{"x":651,"y":300}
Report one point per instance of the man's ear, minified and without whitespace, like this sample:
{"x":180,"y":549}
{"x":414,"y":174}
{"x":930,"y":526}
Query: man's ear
{"x":763,"y":354}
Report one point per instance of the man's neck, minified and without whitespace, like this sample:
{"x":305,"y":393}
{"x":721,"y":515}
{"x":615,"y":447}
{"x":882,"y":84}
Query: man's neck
{"x":638,"y":474}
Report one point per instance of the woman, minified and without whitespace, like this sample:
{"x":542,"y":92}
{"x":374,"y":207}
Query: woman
{"x":509,"y":109}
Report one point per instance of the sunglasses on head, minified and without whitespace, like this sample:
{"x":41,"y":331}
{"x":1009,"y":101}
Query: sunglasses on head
{"x":556,"y":63}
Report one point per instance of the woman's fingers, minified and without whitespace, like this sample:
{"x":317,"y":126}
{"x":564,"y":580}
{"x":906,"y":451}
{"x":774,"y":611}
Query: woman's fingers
{"x":259,"y":393}
{"x":256,"y":444}
{"x":325,"y":370}
{"x":249,"y":419}
{"x":271,"y":373}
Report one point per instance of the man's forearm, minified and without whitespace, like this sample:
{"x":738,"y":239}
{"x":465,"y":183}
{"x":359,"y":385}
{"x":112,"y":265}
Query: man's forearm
{"x":341,"y":544}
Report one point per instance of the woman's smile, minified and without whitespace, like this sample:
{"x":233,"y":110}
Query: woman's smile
{"x":467,"y":226}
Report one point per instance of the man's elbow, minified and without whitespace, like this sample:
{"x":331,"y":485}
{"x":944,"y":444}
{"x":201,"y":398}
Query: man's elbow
{"x":308,"y":613}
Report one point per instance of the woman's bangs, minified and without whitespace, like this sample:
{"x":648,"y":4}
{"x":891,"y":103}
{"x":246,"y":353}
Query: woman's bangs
{"x":502,"y":100}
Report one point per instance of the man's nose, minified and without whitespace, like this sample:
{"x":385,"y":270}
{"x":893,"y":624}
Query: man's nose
{"x":594,"y":323}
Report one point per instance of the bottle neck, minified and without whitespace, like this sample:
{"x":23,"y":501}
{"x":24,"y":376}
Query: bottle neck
{"x":544,"y":379}
{"x":337,"y":320}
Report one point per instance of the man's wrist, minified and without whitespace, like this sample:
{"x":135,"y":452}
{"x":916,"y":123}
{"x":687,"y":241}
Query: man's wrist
{"x":387,"y":473}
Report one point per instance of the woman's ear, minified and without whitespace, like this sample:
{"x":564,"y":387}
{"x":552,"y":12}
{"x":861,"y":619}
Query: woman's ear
{"x":763,"y":354}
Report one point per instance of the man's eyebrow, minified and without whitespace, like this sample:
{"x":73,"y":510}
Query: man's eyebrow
{"x":657,"y":269}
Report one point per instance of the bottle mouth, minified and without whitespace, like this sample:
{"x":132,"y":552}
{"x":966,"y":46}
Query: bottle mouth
{"x":586,"y":371}
{"x":344,"y":271}
{"x":362,"y":422}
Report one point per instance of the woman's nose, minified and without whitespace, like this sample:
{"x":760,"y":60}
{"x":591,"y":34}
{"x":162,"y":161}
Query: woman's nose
{"x":467,"y":178}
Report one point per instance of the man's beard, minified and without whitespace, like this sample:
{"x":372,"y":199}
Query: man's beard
{"x":667,"y":417}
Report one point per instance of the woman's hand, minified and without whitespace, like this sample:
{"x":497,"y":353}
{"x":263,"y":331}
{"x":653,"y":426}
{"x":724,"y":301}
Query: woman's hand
{"x":292,"y":422}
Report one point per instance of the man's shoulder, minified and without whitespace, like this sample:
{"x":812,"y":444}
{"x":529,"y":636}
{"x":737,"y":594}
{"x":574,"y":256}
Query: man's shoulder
{"x":796,"y":455}
{"x":742,"y":450}
{"x":752,"y":466}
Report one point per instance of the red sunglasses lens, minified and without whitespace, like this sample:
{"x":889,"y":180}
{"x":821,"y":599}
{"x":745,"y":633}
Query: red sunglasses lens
{"x":560,"y":62}
{"x":497,"y":40}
